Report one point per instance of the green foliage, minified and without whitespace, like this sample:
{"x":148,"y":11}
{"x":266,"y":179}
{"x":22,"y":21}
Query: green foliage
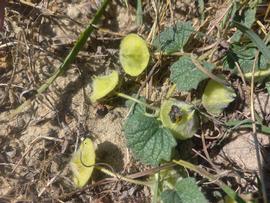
{"x":247,"y":18}
{"x":166,"y":179}
{"x":149,"y":141}
{"x":171,"y":196}
{"x":216,"y":97}
{"x":185,"y":74}
{"x":201,"y":8}
{"x":230,"y":192}
{"x":244,"y":56}
{"x":186,"y":191}
{"x":173,"y":38}
{"x":247,"y":123}
{"x":139,"y":13}
{"x":255,"y":39}
{"x":230,"y":14}
{"x":169,"y":177}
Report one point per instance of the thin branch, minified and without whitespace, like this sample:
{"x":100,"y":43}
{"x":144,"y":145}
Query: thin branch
{"x":254,"y":131}
{"x":208,"y":73}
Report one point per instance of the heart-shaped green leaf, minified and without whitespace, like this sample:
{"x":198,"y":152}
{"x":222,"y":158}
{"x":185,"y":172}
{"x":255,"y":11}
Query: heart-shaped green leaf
{"x":245,"y":57}
{"x":247,"y":18}
{"x":185,"y":74}
{"x":173,"y":38}
{"x":149,"y":141}
{"x":186,"y":191}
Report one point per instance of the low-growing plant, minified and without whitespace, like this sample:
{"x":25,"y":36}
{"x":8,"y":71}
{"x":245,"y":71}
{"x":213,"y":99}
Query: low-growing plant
{"x":153,"y":137}
{"x":179,"y":117}
{"x":154,"y":132}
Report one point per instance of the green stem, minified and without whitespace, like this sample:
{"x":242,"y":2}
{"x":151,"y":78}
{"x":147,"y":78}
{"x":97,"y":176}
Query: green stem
{"x":139,"y":13}
{"x":171,"y":91}
{"x":156,"y":187}
{"x":258,"y":74}
{"x":70,"y":57}
{"x":211,"y":177}
{"x":160,"y":53}
{"x":108,"y":172}
{"x":208,"y":73}
{"x":125,"y":96}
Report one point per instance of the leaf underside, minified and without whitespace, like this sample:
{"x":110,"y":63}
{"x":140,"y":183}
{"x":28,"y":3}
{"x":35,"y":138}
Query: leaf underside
{"x":82,"y":163}
{"x":134,"y":54}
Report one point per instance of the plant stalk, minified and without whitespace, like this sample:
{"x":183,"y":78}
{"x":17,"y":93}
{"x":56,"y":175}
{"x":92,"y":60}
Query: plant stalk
{"x":160,"y":53}
{"x":211,"y":177}
{"x":156,"y":187}
{"x":257,"y":74}
{"x":125,"y":96}
{"x":254,"y":132}
{"x":208,"y":73}
{"x":139,"y":13}
{"x":171,"y":91}
{"x":108,"y":172}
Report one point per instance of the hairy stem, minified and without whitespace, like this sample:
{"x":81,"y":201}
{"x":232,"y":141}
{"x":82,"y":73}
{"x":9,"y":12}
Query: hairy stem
{"x":208,"y":73}
{"x":257,"y":74}
{"x":125,"y":96}
{"x":110,"y":173}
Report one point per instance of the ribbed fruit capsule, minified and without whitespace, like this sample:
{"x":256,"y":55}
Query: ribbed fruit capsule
{"x":179,"y":117}
{"x":216,"y":97}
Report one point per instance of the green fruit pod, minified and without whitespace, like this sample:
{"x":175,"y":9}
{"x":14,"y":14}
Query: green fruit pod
{"x":179,"y":117}
{"x":104,"y":85}
{"x":134,"y":54}
{"x":82,"y":163}
{"x":216,"y":97}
